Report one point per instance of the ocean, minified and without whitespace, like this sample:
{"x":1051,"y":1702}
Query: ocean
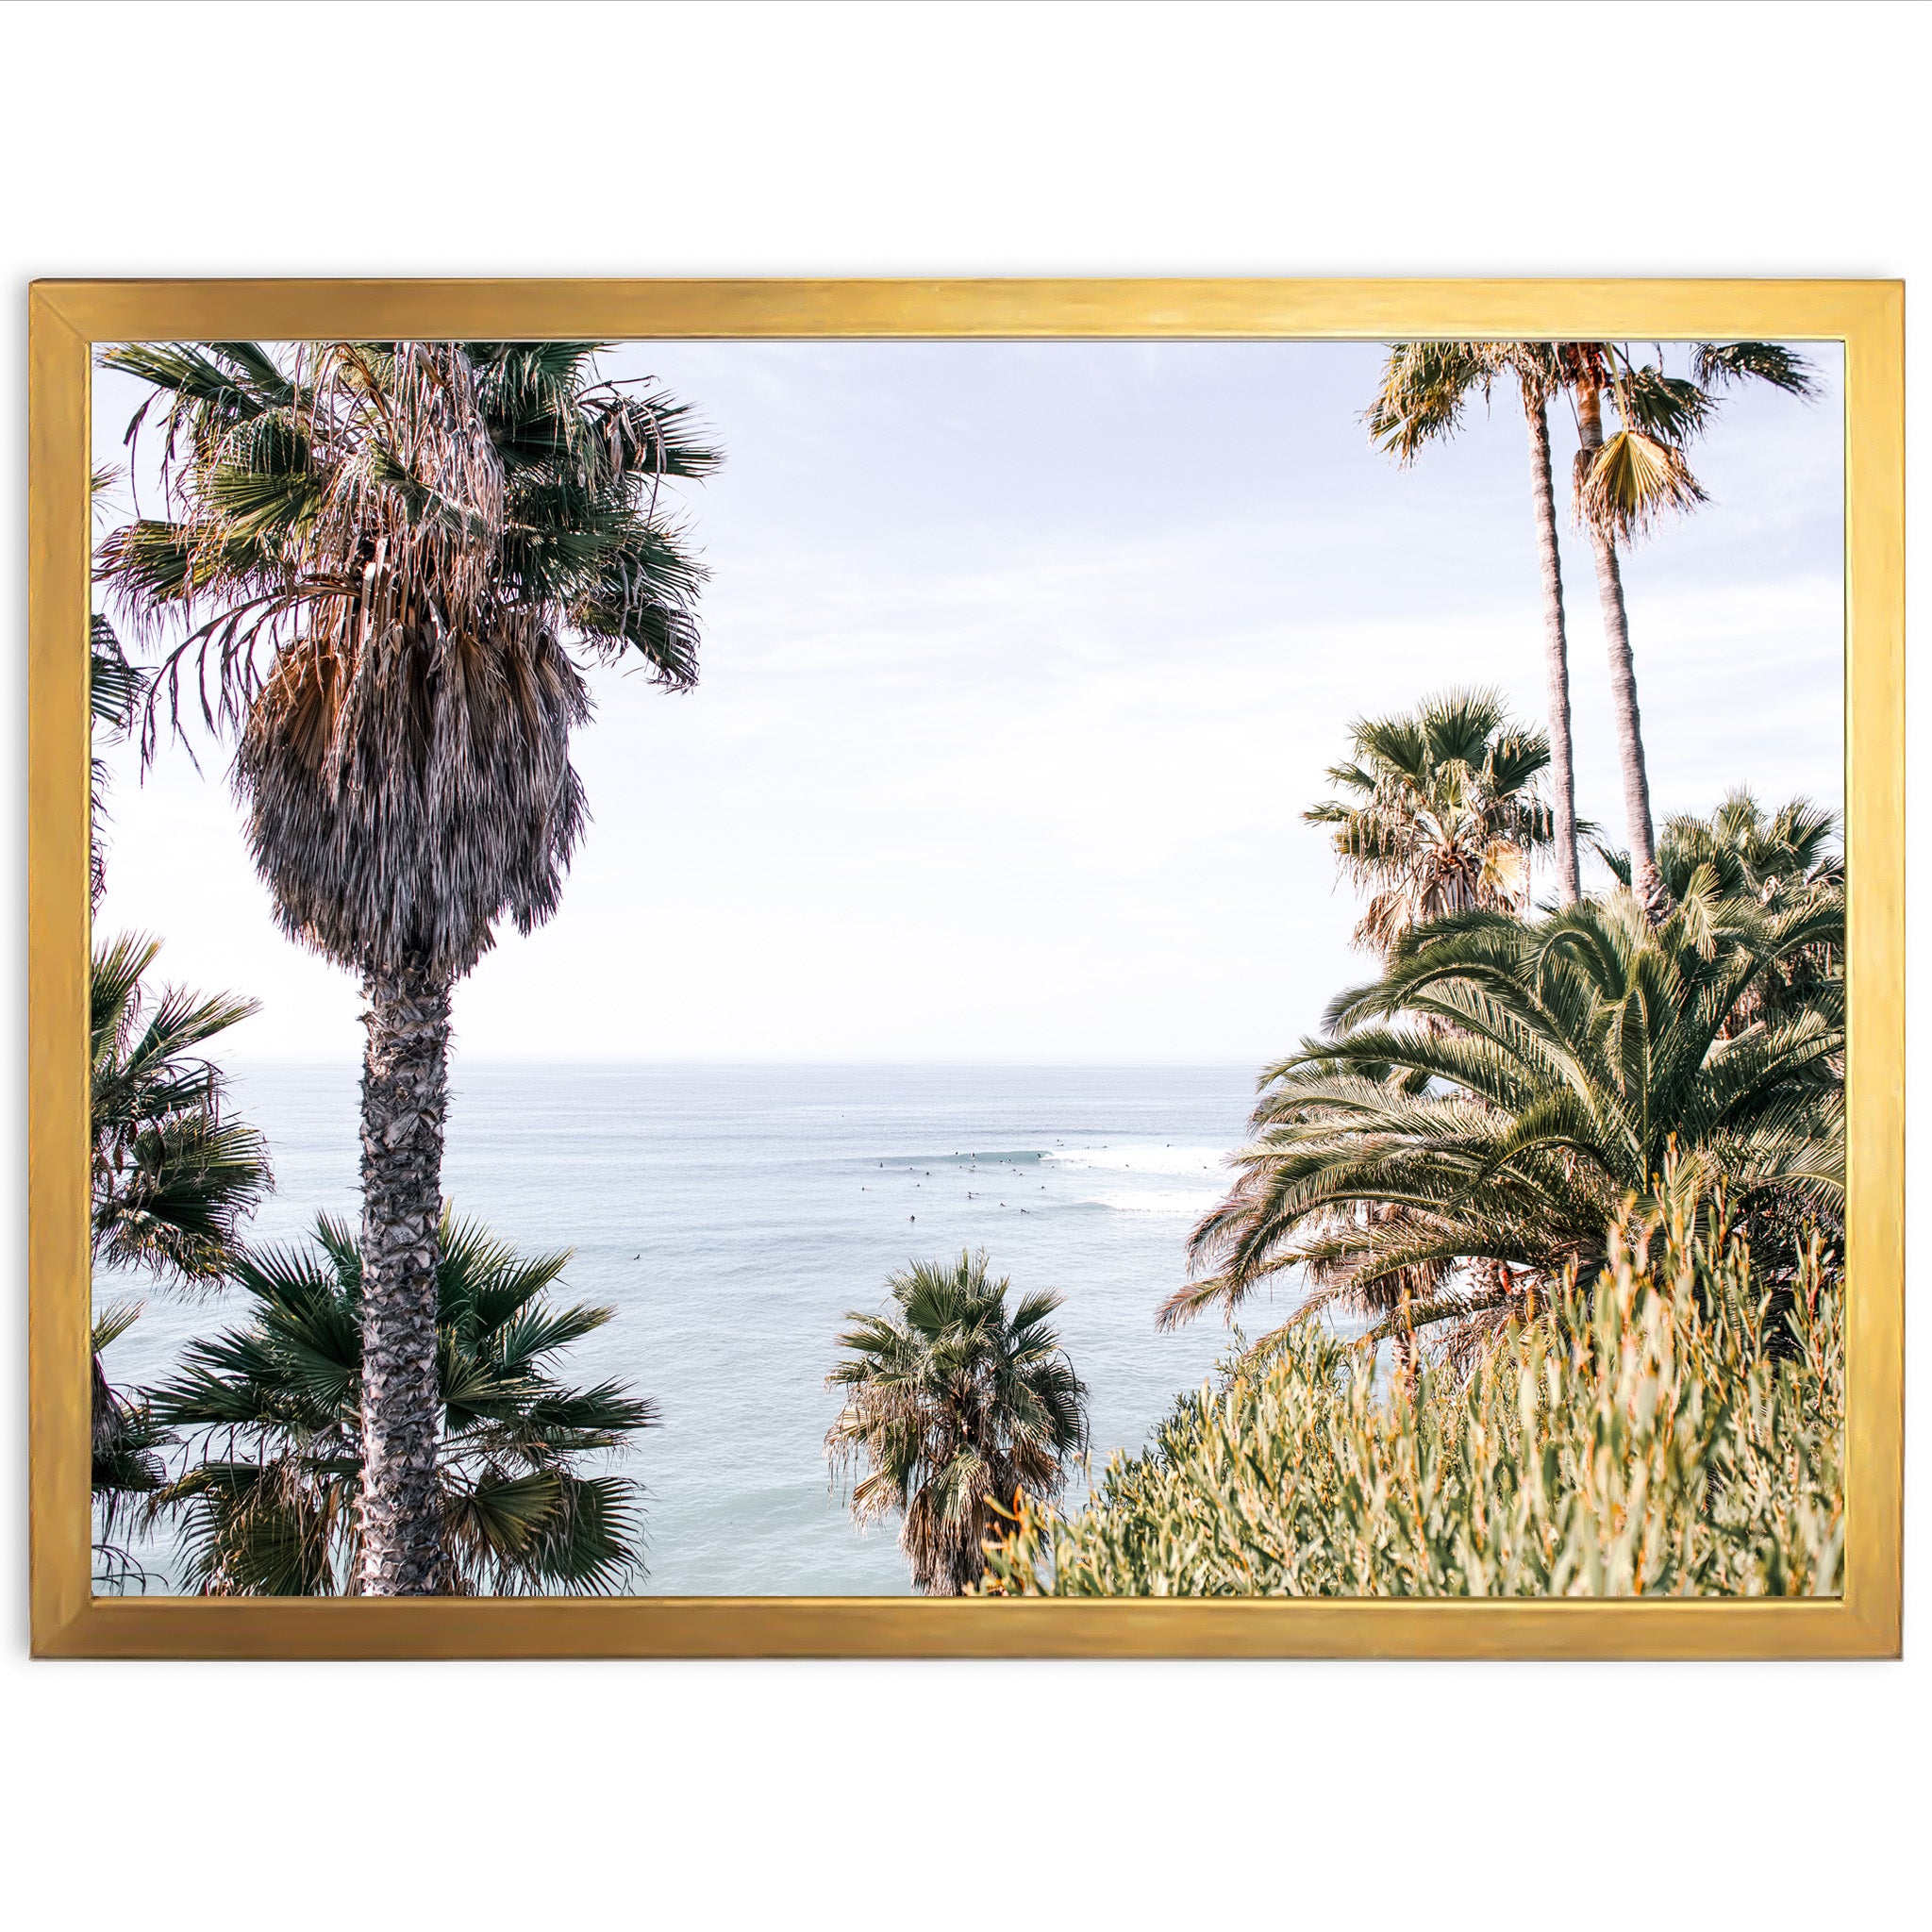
{"x":733,"y":1216}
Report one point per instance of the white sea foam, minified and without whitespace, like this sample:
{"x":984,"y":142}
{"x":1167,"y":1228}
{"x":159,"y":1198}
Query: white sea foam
{"x":1183,"y":1203}
{"x":1124,"y":1157}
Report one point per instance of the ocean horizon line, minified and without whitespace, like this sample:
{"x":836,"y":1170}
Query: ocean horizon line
{"x":242,"y":1063}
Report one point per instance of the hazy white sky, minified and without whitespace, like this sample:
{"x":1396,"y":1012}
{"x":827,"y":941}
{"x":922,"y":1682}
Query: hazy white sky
{"x":1020,"y":663}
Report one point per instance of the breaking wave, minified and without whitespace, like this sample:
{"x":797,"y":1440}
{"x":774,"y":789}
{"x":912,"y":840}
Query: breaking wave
{"x":1184,"y":1205}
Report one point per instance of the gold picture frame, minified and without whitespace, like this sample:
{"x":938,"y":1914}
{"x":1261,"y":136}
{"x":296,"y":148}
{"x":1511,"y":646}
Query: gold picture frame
{"x":69,"y":318}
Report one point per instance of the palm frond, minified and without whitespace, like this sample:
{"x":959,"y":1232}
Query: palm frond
{"x":1718,"y":365}
{"x":378,"y":565}
{"x":1506,"y":1086}
{"x":516,"y":1513}
{"x":1631,"y":481}
{"x":954,"y":1402}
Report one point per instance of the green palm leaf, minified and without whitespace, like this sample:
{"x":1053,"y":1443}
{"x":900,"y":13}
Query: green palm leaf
{"x":516,"y":1513}
{"x":954,"y":1402}
{"x":1506,"y":1086}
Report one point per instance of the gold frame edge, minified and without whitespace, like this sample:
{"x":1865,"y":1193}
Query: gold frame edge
{"x":67,"y":318}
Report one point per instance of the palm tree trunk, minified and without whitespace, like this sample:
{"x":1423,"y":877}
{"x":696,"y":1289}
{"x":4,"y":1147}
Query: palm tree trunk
{"x":1610,"y":584}
{"x":404,"y":1083}
{"x":1556,"y":644}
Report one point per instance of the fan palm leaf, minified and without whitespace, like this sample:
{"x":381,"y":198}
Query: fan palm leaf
{"x":1438,"y":810}
{"x":275,"y":1406}
{"x":174,"y":1177}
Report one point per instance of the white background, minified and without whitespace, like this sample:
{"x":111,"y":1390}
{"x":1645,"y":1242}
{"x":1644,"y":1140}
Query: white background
{"x":938,"y":140}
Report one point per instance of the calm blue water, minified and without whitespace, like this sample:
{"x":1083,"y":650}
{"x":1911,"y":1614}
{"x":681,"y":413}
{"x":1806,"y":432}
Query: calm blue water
{"x":733,"y":1215}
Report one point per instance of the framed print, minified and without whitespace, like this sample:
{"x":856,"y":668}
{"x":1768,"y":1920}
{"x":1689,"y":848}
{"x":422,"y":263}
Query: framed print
{"x":967,"y":968}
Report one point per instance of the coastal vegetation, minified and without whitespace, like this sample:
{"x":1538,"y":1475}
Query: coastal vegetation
{"x":1580,"y":1170}
{"x":1507,"y":1083}
{"x":1671,"y":1427}
{"x":115,"y":688}
{"x":267,"y":1501}
{"x":954,"y":1402}
{"x":385,"y":560}
{"x":1476,"y":1156}
{"x":175,"y":1173}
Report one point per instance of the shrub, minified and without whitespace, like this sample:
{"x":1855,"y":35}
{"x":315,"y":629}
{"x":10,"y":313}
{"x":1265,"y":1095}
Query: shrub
{"x":1674,"y":1428}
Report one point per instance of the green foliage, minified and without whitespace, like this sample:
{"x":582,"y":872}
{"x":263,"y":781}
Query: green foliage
{"x":174,"y":1175}
{"x":128,"y":1466}
{"x":173,"y":1178}
{"x":268,"y":1505}
{"x":1641,"y":471}
{"x":1426,"y":387}
{"x":1676,"y":1428}
{"x":954,"y":1403}
{"x":116,"y":690}
{"x":1505,"y":1085}
{"x":380,"y":565}
{"x":273,"y":463}
{"x":1439,"y":810}
{"x":1770,"y":858}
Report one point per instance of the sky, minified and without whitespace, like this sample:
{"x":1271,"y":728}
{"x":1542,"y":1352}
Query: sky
{"x":1020,"y":663}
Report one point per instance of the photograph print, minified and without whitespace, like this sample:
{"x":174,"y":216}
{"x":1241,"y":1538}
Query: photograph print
{"x":893,"y":967}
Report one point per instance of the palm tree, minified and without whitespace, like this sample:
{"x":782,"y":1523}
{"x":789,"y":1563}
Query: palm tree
{"x":1425,"y":389}
{"x":128,"y":1466}
{"x":174,"y":1177}
{"x":953,"y":1406}
{"x":115,"y":689}
{"x":275,"y":1406}
{"x":1625,"y":481}
{"x":1441,"y":810}
{"x":1502,"y":1091}
{"x":1769,"y":859}
{"x":1622,"y":483}
{"x":392,"y":557}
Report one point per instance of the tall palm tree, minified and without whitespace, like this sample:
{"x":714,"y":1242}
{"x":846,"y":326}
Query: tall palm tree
{"x":1504,"y":1086}
{"x":1622,"y":483}
{"x":953,"y":1403}
{"x":391,"y":557}
{"x":1425,"y":391}
{"x":275,"y":1406}
{"x":1440,"y":809}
